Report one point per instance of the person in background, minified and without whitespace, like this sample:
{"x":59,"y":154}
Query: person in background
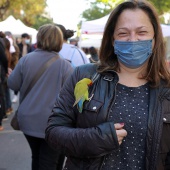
{"x":33,"y":47}
{"x":8,"y":102}
{"x":93,"y":55}
{"x":73,"y":41}
{"x":24,"y":48}
{"x":122,"y":121}
{"x":3,"y":73}
{"x":14,"y":50}
{"x":70,"y":52}
{"x":34,"y":110}
{"x":9,"y":108}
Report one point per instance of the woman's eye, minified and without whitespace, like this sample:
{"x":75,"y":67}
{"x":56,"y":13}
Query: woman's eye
{"x":142,"y":32}
{"x":122,"y":34}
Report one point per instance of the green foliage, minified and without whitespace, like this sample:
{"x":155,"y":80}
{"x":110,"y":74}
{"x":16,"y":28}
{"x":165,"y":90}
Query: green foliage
{"x":162,"y":6}
{"x":99,"y":8}
{"x":41,"y":20}
{"x":28,"y":11}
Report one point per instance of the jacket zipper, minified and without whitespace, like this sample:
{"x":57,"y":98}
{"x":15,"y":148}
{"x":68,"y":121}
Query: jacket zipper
{"x":114,"y":97}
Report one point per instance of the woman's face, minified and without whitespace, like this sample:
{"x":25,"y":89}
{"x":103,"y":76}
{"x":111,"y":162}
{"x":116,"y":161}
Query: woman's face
{"x":133,"y":25}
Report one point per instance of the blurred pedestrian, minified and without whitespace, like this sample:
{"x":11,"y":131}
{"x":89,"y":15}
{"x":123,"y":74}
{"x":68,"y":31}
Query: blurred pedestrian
{"x":70,"y":52}
{"x":116,"y":113}
{"x":34,"y":110}
{"x":3,"y":74}
{"x":8,"y":102}
{"x":9,"y":108}
{"x":25,"y":45}
{"x":24,"y":48}
{"x":93,"y":55}
{"x":14,"y":52}
{"x":14,"y":49}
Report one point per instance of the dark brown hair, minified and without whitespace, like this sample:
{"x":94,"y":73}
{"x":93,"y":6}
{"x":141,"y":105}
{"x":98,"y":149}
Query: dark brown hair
{"x":49,"y":38}
{"x":156,"y":68}
{"x":66,"y":33}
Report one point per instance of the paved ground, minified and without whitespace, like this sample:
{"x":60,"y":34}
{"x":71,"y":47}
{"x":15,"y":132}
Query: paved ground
{"x":15,"y":153}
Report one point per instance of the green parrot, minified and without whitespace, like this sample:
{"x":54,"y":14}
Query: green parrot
{"x":81,"y":93}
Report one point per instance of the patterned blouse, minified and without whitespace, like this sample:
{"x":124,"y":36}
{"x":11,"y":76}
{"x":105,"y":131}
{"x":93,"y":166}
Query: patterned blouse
{"x":131,"y":108}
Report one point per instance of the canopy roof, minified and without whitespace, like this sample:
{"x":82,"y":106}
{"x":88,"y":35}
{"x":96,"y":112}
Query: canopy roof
{"x":16,"y":27}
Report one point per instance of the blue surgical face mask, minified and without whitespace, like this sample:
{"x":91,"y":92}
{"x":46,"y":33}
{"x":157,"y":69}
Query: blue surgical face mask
{"x":133,"y":54}
{"x":27,"y":41}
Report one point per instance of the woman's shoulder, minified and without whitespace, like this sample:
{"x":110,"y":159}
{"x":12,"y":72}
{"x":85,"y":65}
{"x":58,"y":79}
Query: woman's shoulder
{"x":66,"y":46}
{"x":86,"y":70}
{"x":88,"y":67}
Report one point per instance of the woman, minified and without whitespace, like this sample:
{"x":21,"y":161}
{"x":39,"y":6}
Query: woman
{"x":3,"y":76}
{"x":70,"y":52}
{"x":9,"y":108}
{"x":36,"y":107}
{"x":14,"y":50}
{"x":125,"y":122}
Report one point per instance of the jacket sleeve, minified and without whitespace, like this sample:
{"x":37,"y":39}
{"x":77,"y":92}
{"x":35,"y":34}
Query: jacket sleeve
{"x":62,"y":132}
{"x":15,"y":79}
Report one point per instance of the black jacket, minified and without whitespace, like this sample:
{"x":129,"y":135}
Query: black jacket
{"x":87,"y":137}
{"x":3,"y":63}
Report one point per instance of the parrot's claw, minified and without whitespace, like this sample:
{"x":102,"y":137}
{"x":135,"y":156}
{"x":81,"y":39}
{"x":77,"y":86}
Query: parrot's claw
{"x":91,"y":97}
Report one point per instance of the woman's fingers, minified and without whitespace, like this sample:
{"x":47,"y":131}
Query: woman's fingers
{"x":121,"y":133}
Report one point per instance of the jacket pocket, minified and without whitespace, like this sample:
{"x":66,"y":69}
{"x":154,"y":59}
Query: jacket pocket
{"x":93,"y":106}
{"x":166,"y":118}
{"x":89,"y":115}
{"x":165,"y":139}
{"x":164,"y":152}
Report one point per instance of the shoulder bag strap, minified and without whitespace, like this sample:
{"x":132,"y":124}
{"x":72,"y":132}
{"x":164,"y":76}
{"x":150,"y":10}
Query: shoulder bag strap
{"x":39,"y":73}
{"x":76,"y":48}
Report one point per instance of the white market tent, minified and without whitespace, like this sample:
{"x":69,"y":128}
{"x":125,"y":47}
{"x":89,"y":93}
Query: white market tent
{"x":94,"y":26}
{"x":97,"y":27}
{"x":17,"y":27}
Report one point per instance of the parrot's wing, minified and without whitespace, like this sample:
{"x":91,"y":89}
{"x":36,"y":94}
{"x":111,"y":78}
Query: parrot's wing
{"x":85,"y":96}
{"x":81,"y":91}
{"x":77,"y":100}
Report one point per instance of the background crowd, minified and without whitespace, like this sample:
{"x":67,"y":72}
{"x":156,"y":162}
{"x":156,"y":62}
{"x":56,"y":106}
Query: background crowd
{"x":78,"y":112}
{"x":13,"y":48}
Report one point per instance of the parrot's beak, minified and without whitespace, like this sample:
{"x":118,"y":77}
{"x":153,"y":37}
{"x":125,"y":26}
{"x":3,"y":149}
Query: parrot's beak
{"x":90,"y":84}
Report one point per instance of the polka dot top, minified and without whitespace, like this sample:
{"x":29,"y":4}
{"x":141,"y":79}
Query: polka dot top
{"x":131,"y":108}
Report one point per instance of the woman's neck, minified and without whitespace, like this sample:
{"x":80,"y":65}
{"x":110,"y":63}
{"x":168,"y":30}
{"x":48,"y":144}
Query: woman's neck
{"x":131,"y":77}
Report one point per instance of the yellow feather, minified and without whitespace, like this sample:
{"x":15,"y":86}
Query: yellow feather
{"x":81,"y":90}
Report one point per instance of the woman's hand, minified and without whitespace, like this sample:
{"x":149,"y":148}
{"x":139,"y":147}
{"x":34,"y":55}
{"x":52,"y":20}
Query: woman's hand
{"x":121,"y":133}
{"x":9,"y":71}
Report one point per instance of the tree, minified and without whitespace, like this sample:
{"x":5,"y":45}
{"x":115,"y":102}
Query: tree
{"x":97,"y":10}
{"x":161,"y":6}
{"x":41,"y":20}
{"x":100,"y":8}
{"x":4,"y":5}
{"x":26,"y":10}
